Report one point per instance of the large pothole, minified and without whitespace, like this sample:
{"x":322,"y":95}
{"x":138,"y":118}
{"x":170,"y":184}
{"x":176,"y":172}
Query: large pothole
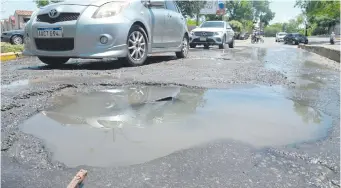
{"x":135,"y":124}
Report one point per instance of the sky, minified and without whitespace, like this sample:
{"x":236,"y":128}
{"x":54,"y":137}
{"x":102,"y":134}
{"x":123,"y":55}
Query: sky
{"x":280,"y":7}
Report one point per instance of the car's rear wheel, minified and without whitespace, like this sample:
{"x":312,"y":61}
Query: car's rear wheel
{"x":53,"y":60}
{"x":231,"y":44}
{"x":184,"y":49}
{"x":221,"y":46}
{"x":137,"y":47}
{"x":206,"y":46}
{"x":17,"y":39}
{"x":192,"y":45}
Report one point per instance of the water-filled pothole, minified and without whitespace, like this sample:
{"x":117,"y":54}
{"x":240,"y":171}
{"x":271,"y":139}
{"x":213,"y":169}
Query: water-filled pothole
{"x":136,"y":124}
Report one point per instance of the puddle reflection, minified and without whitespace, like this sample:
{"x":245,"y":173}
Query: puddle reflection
{"x":136,"y":124}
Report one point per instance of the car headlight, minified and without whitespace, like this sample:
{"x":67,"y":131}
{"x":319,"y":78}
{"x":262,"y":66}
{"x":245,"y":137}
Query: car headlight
{"x":110,"y":9}
{"x":218,"y":33}
{"x":191,"y":33}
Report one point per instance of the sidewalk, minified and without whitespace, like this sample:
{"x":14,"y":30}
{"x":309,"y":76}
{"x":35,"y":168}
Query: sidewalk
{"x":326,"y":50}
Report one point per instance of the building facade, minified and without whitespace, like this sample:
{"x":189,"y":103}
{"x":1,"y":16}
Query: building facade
{"x":21,"y":18}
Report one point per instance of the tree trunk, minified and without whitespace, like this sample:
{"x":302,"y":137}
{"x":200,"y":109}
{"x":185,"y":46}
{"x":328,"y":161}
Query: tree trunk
{"x":197,"y":21}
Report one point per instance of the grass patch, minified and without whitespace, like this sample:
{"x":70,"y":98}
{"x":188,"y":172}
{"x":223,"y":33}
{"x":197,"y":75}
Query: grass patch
{"x":7,"y":47}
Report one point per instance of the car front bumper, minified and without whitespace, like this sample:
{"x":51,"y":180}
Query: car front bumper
{"x":81,"y":38}
{"x":280,"y":39}
{"x":209,"y":40}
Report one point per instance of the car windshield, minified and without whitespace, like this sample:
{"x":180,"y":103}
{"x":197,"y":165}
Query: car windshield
{"x":213,"y":24}
{"x":296,"y":35}
{"x":281,"y":34}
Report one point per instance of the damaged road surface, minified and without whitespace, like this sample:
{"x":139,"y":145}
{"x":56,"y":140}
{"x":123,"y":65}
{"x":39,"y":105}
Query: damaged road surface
{"x":253,"y":116}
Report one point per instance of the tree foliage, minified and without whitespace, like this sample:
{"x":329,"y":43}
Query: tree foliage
{"x":191,"y":8}
{"x":42,"y":3}
{"x":320,"y":15}
{"x":236,"y":25}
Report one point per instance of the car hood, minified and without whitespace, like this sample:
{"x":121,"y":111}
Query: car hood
{"x":208,"y":29}
{"x":84,"y":2}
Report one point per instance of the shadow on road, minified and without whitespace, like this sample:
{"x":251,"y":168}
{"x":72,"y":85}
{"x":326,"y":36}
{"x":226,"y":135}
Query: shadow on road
{"x":96,"y":64}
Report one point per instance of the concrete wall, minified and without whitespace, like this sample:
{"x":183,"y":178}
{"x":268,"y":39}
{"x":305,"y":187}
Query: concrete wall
{"x":329,"y":53}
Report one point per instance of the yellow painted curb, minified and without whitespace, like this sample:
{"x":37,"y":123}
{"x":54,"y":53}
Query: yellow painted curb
{"x":9,"y":56}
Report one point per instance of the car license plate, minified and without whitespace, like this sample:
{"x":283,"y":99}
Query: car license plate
{"x":203,"y":39}
{"x":50,"y":32}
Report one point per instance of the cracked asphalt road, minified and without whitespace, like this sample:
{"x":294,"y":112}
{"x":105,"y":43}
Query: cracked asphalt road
{"x":28,"y":87}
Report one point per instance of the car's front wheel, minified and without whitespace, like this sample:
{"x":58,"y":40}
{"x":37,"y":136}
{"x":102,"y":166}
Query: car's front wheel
{"x":192,"y":45}
{"x":54,"y":60}
{"x":184,"y":49}
{"x":137,"y":47}
{"x":16,"y":39}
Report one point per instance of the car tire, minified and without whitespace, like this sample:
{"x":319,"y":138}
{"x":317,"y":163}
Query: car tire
{"x":206,"y":46}
{"x":184,"y":49}
{"x":306,"y":42}
{"x":17,"y":40}
{"x":231,"y":44}
{"x":134,"y":40}
{"x":53,"y":60}
{"x":221,"y":46}
{"x":192,"y":45}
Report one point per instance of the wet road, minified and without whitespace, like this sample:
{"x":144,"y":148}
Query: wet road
{"x":262,"y":115}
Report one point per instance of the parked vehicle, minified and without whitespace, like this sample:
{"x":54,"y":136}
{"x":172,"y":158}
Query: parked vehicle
{"x":295,"y":38}
{"x":280,"y":36}
{"x":128,"y":30}
{"x":14,"y":37}
{"x":244,"y":36}
{"x":212,"y":33}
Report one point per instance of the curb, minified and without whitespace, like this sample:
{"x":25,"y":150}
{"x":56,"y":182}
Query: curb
{"x":322,"y":51}
{"x":10,"y":56}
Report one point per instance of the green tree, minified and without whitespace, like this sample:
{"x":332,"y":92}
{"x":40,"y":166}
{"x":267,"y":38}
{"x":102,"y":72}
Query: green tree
{"x":271,"y":30}
{"x":191,"y":8}
{"x":323,"y":15}
{"x":239,"y":10}
{"x":42,"y":3}
{"x":236,"y":25}
{"x":262,"y":11}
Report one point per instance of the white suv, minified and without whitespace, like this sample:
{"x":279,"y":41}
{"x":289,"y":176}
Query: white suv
{"x":212,"y":33}
{"x":280,"y":36}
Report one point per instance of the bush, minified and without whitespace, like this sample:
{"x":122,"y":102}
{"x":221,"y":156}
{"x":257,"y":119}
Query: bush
{"x":7,"y":47}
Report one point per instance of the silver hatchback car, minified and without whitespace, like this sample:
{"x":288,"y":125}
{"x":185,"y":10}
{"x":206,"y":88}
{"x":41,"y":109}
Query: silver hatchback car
{"x":126,"y":29}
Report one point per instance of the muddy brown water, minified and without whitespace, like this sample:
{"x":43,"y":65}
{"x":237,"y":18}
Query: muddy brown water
{"x":136,"y":124}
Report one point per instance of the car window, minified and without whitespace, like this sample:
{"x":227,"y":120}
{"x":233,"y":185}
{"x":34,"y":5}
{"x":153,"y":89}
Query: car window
{"x":158,"y":7}
{"x":171,"y":6}
{"x":213,"y":24}
{"x":177,"y":7}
